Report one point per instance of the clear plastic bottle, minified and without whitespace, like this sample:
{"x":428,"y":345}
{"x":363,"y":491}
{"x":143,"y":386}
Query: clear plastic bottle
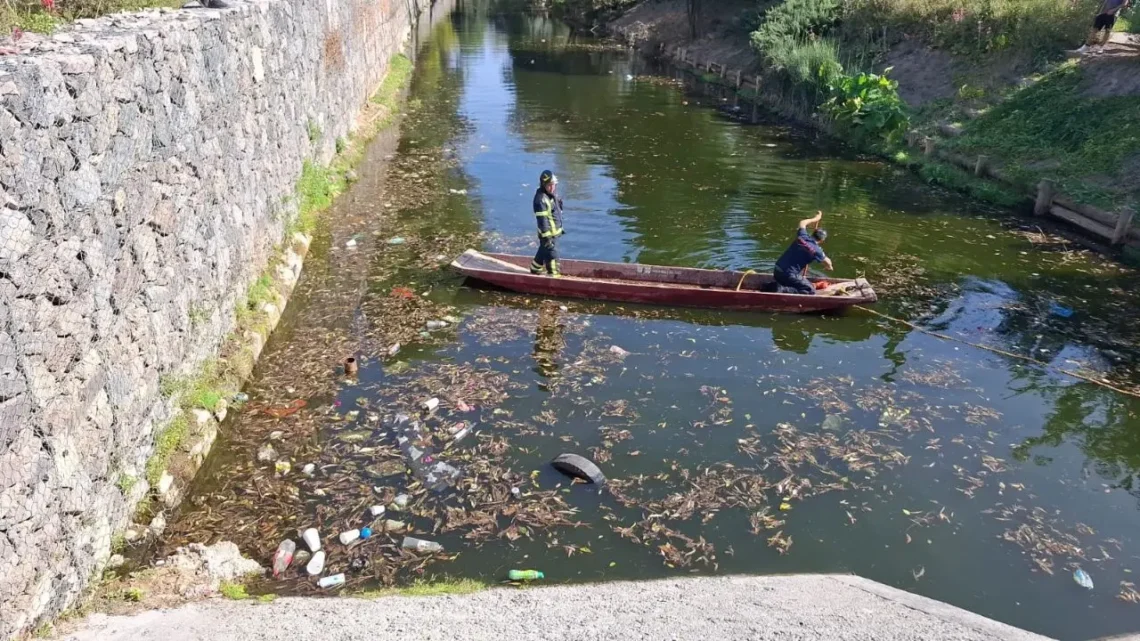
{"x":349,"y":536}
{"x":284,"y":556}
{"x":420,"y":545}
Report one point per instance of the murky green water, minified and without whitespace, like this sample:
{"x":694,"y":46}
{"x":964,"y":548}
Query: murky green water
{"x":943,"y":469}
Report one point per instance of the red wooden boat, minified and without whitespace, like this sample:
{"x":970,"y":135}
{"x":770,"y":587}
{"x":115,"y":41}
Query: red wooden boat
{"x":655,"y":285}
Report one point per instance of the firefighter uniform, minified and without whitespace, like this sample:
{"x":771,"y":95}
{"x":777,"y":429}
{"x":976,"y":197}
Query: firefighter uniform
{"x":548,"y":216}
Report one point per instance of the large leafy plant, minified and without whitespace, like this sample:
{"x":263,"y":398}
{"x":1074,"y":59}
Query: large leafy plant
{"x":866,"y":106}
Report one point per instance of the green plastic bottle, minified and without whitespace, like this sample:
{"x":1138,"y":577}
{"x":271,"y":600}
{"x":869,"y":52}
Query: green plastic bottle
{"x":525,"y":575}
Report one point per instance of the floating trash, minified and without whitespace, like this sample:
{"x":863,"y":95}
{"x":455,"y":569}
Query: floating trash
{"x":396,"y":241}
{"x":579,"y":467}
{"x":312,"y":538}
{"x":832,"y":423}
{"x":525,"y":575}
{"x":284,"y":556}
{"x":1083,"y":579}
{"x":316,"y":564}
{"x":331,"y":581}
{"x":421,"y":545}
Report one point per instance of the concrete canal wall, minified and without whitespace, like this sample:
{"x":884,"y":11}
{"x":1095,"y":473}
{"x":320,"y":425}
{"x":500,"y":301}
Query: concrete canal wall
{"x":148,"y":167}
{"x":759,"y":608}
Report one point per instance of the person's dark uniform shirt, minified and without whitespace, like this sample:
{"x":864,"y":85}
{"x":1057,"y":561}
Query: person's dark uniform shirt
{"x":548,"y":214}
{"x":802,"y":252}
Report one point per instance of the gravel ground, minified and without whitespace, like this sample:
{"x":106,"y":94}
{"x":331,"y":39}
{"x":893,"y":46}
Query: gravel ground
{"x":772,"y":607}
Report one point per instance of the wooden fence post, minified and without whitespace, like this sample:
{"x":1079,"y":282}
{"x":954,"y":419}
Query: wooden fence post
{"x":1122,"y":225}
{"x":981,"y":166}
{"x":928,"y":146}
{"x":1046,"y":190}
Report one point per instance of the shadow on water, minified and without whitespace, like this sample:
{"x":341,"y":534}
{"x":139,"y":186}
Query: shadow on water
{"x":734,"y":442}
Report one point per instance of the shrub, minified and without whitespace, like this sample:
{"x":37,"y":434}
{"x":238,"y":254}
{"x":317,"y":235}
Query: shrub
{"x":867,"y":106}
{"x":791,"y":40}
{"x":1044,"y":27}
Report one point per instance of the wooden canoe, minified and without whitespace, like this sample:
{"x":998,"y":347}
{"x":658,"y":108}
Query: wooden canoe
{"x":657,"y":285}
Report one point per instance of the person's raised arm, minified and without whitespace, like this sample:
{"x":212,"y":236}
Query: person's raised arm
{"x":814,"y":220}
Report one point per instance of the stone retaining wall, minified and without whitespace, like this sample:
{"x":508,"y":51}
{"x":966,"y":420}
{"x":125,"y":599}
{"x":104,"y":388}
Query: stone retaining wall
{"x":148,"y":165}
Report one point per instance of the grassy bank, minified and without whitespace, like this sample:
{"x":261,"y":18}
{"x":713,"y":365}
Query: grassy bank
{"x":823,"y":54}
{"x":1089,"y":145}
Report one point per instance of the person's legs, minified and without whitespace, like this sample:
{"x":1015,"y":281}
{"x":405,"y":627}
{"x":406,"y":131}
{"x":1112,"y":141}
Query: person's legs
{"x":794,"y":281}
{"x":538,"y":265}
{"x":552,"y":259}
{"x":1109,"y":23}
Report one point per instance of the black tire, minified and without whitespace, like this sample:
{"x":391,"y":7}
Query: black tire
{"x":579,"y":467}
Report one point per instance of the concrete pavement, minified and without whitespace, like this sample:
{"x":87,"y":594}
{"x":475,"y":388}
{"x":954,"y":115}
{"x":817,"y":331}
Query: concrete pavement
{"x":788,"y":608}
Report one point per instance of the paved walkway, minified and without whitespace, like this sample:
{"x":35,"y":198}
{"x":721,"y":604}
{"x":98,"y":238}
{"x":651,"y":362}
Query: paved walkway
{"x":788,"y":608}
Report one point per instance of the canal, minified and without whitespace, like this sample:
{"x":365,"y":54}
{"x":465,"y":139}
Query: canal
{"x":734,"y":443}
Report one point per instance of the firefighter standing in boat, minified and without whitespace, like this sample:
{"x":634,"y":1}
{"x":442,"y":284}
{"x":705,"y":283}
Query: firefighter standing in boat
{"x":548,"y":215}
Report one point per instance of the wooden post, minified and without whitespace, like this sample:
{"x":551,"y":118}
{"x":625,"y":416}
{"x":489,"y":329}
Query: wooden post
{"x":981,"y":166}
{"x":755,"y":99}
{"x":1045,"y":192}
{"x":1122,"y":225}
{"x":738,"y":80}
{"x":928,"y":146}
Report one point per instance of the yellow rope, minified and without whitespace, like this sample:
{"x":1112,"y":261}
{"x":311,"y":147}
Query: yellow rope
{"x":1002,"y":352}
{"x":742,"y":277}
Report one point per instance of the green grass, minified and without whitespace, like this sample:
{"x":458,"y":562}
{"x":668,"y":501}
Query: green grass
{"x":319,"y":185}
{"x":267,"y":598}
{"x":198,"y":315}
{"x":126,"y":483}
{"x":29,"y":16}
{"x":399,"y":72}
{"x":1051,"y":130}
{"x":1043,"y":28}
{"x":118,"y":543}
{"x":134,"y":595}
{"x":314,"y":131}
{"x":167,"y":442}
{"x":233,"y":591}
{"x":964,"y":182}
{"x":427,"y":588}
{"x":43,"y":631}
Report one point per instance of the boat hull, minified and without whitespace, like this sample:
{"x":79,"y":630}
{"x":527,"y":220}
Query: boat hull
{"x":653,"y":284}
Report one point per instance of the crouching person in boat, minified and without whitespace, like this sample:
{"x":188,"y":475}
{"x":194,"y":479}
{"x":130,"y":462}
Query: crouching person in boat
{"x":548,"y":215}
{"x":791,"y":269}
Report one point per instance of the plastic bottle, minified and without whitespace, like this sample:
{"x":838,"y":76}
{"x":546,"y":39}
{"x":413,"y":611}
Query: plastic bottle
{"x":312,"y":539}
{"x":525,"y":575}
{"x":284,"y":556}
{"x":349,"y":536}
{"x":377,"y":510}
{"x":420,"y":545}
{"x":431,"y":404}
{"x":316,"y":564}
{"x":331,"y":581}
